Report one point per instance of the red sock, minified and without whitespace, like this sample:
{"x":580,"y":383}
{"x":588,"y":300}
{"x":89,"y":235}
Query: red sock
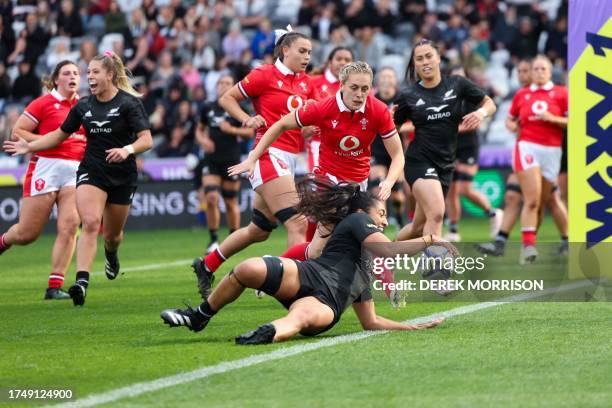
{"x":3,"y":245}
{"x":411,"y":215}
{"x":214,"y":260}
{"x":298,"y":252}
{"x":386,"y":277}
{"x":529,"y":236}
{"x":312,"y":228}
{"x":56,"y":281}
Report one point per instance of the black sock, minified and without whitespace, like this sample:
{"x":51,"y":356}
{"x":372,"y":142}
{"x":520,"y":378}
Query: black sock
{"x":502,"y":237}
{"x":82,"y":278}
{"x":453,"y":228}
{"x":213,"y":235}
{"x":110,"y":253}
{"x":205,"y":310}
{"x":564,"y":239}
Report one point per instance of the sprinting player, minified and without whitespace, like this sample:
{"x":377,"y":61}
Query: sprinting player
{"x":117,"y":127}
{"x":316,"y":292}
{"x":386,"y":90}
{"x":434,"y":106}
{"x":349,"y":123}
{"x":327,"y":85}
{"x":538,"y":114}
{"x":219,"y":134}
{"x":466,"y":168}
{"x":276,"y":89}
{"x":51,"y":175}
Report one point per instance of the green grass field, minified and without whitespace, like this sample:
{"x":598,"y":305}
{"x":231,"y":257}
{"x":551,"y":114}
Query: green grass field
{"x":519,"y":354}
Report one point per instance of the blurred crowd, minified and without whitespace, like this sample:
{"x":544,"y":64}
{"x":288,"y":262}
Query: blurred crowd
{"x":177,"y":49}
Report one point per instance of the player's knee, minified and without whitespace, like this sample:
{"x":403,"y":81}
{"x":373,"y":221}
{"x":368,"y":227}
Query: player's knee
{"x":247,"y":271}
{"x":305,"y":317}
{"x":257,"y":233}
{"x":113,"y":238}
{"x":463,"y":188}
{"x":67,"y":229}
{"x":90,"y":223}
{"x":532,"y":204}
{"x":436,"y":215}
{"x":25,"y":236}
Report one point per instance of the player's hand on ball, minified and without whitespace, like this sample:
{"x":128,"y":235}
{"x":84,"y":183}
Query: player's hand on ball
{"x":116,"y":155}
{"x":444,"y":243}
{"x":254,"y":122}
{"x":15,"y":148}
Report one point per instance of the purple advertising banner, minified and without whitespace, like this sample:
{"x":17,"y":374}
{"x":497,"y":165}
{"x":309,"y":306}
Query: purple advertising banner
{"x":583,"y":20}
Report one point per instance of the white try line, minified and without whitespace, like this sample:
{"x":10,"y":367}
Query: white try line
{"x":165,"y":382}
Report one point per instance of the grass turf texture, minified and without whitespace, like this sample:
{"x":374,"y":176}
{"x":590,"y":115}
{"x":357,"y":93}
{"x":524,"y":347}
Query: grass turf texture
{"x":521,"y":354}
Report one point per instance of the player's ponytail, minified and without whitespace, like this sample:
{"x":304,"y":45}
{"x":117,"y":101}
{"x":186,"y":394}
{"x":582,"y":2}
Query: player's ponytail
{"x":121,"y":75}
{"x":49,"y":82}
{"x":330,"y":203}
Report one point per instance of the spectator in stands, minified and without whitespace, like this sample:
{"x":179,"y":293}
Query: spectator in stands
{"x":69,"y":22}
{"x":60,"y":52}
{"x":203,"y":54}
{"x":114,"y":19}
{"x":176,"y":146}
{"x":367,"y":48}
{"x":234,"y":42}
{"x":87,"y":52}
{"x":5,"y":85}
{"x":137,"y":23}
{"x":156,"y":41}
{"x":7,"y":41}
{"x":556,"y":44}
{"x":385,"y":19}
{"x":263,"y":40}
{"x":164,"y":74}
{"x":27,"y":85}
{"x":189,"y":75}
{"x":525,"y":43}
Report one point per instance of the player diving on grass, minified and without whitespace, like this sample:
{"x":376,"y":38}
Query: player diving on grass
{"x":316,"y":292}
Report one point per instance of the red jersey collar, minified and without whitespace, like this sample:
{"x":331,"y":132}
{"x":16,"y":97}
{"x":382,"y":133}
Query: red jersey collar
{"x":283,"y":68}
{"x":547,"y":86}
{"x":344,"y":108}
{"x":55,"y":93}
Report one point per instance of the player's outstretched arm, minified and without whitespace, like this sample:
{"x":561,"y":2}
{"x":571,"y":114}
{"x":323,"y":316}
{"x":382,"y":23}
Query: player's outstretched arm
{"x":21,"y":146}
{"x":24,"y":128}
{"x":287,"y":122}
{"x":366,"y":313}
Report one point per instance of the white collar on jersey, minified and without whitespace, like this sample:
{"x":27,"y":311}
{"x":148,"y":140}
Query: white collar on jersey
{"x":283,"y":68}
{"x":547,"y":86}
{"x":344,"y":108}
{"x":54,"y":92}
{"x":330,"y":77}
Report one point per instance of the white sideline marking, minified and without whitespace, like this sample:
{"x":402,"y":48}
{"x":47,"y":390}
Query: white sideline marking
{"x":182,"y":262}
{"x":177,"y":379}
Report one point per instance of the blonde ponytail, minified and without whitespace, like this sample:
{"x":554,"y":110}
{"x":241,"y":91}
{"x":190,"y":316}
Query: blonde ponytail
{"x":121,"y":75}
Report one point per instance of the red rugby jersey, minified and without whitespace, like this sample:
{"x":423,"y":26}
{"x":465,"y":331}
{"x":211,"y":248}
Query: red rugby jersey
{"x":532,"y":101}
{"x":49,"y":112}
{"x":327,"y":84}
{"x":276,"y":91}
{"x":346,"y":136}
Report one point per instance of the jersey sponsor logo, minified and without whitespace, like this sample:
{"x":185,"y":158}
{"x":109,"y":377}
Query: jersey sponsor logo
{"x":348,"y":143}
{"x":113,"y":112}
{"x":57,"y":106}
{"x":436,"y":108}
{"x":39,"y":184}
{"x":420,"y":102}
{"x":431,"y":172}
{"x":294,"y":102}
{"x":364,"y":123}
{"x":279,"y":83}
{"x":449,"y":95}
{"x":100,"y":123}
{"x":539,"y":107}
{"x":334,"y":123}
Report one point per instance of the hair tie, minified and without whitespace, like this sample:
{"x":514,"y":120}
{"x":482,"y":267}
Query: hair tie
{"x":108,"y":54}
{"x":278,"y":34}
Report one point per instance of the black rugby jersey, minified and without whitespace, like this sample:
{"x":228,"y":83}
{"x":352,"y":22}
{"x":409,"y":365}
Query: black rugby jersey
{"x":108,"y":125}
{"x":436,"y":114}
{"x":227,"y":148}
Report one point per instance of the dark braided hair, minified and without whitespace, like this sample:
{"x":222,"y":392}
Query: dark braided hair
{"x":411,"y":74}
{"x":330,"y":203}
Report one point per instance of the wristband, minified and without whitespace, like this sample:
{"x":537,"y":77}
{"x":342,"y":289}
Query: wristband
{"x":484,"y":112}
{"x":129,"y":148}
